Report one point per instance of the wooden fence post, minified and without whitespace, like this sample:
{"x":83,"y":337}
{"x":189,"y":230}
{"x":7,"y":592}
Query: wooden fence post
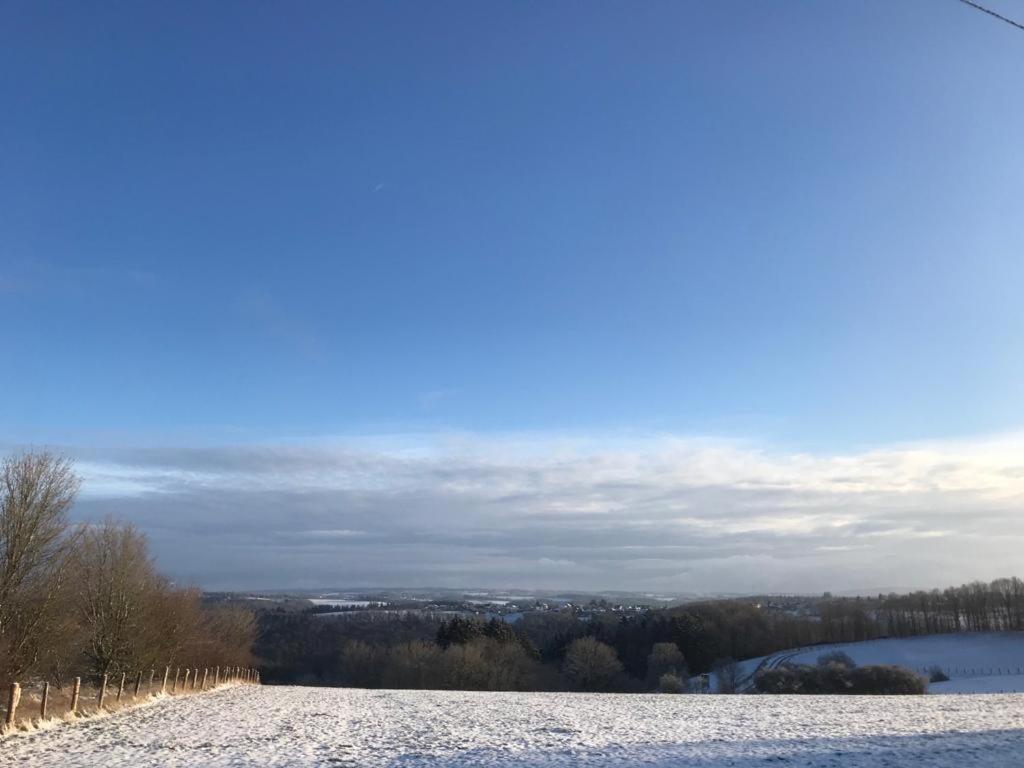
{"x":138,"y":685}
{"x":102,"y":694}
{"x":184,"y":685}
{"x":75,"y":690}
{"x":206,"y":671}
{"x":120,"y":688}
{"x":149,"y":689}
{"x":216,"y":677}
{"x":167,"y":673}
{"x":12,"y":705}
{"x":44,"y":700}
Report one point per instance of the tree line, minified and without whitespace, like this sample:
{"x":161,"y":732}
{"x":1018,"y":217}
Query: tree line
{"x":658,"y":650}
{"x":975,"y":607}
{"x":434,"y":652}
{"x":87,"y":600}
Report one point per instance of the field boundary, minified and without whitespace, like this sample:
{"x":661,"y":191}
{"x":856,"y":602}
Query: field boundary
{"x":47,"y":704}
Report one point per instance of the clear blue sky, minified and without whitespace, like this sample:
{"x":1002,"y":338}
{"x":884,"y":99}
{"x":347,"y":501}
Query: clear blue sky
{"x":672,"y":296}
{"x":793,"y":220}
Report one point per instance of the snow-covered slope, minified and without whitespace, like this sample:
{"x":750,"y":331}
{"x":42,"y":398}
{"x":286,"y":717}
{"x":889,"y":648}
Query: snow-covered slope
{"x":976,"y":662}
{"x":282,"y":726}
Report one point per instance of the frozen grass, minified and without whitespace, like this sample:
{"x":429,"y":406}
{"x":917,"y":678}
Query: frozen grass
{"x":288,"y":726}
{"x":58,"y":708}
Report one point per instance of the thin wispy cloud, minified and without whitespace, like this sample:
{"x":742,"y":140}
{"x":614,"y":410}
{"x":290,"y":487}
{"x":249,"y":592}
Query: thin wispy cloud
{"x":540,"y":510}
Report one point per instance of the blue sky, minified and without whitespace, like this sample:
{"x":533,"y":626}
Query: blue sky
{"x":793,"y":223}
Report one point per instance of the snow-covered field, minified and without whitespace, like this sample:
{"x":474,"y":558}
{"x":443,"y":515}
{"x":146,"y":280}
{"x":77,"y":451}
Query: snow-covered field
{"x":976,"y":662}
{"x":286,"y":726}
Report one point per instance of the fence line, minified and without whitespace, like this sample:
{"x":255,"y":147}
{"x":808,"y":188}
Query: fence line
{"x":192,"y":683}
{"x":974,"y":671}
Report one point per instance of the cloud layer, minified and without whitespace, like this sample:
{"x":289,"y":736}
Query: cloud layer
{"x":656,"y":513}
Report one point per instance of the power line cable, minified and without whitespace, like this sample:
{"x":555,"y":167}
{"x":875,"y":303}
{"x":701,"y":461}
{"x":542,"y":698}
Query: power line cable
{"x":983,"y":9}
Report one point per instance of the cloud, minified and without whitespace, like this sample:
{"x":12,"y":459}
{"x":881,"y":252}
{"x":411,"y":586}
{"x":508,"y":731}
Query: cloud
{"x":538,"y":510}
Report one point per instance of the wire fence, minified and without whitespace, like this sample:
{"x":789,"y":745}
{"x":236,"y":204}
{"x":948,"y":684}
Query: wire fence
{"x":32,"y":703}
{"x":952,"y":672}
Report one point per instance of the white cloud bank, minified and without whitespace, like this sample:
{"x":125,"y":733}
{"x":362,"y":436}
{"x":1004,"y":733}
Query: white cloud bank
{"x":533,"y":510}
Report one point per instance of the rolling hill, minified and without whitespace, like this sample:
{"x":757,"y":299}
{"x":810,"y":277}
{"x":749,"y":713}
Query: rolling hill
{"x":975,"y":662}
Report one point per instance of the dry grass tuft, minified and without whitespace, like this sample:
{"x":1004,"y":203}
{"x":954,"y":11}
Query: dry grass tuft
{"x":58,"y":706}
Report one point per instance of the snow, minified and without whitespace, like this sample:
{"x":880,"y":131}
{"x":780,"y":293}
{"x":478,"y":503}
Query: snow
{"x":989,"y":650}
{"x":995,"y":684}
{"x":976,"y":662}
{"x":291,"y":726}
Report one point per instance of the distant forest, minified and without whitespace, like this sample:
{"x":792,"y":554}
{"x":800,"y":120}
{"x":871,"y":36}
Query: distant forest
{"x":656,"y":650}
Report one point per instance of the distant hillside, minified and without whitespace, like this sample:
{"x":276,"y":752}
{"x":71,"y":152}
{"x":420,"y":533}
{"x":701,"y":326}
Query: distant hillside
{"x":975,"y":662}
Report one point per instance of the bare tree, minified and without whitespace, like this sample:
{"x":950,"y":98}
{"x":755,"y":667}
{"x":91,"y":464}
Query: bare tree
{"x":36,"y":491}
{"x":91,"y":598}
{"x":727,"y":675}
{"x":222,"y":634}
{"x":665,"y":659}
{"x":116,"y":591}
{"x":591,"y":664}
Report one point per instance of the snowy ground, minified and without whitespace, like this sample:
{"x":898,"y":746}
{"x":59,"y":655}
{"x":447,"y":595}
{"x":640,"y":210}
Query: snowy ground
{"x":284,"y":726}
{"x":976,"y":662}
{"x":993,"y":684}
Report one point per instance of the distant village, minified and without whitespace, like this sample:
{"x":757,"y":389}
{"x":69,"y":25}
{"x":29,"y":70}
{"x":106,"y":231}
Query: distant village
{"x":507,"y":607}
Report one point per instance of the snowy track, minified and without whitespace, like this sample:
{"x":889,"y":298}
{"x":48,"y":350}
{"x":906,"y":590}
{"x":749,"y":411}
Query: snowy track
{"x":283,"y":726}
